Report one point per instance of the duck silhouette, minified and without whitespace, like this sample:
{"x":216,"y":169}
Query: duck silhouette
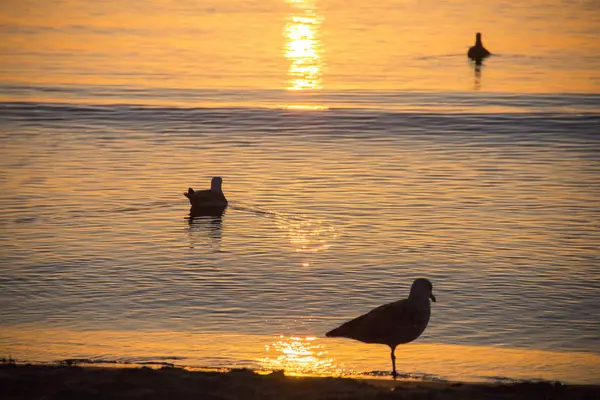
{"x":478,"y":52}
{"x":209,"y":202}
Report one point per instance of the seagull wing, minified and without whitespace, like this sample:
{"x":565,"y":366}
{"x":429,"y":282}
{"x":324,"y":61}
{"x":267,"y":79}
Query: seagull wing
{"x":384,"y":324}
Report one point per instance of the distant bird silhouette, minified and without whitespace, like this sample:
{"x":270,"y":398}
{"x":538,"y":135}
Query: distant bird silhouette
{"x":211,"y":202}
{"x":478,"y":52}
{"x":395,"y":323}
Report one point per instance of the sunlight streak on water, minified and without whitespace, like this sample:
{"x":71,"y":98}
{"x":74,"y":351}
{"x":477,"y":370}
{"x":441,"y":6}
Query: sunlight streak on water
{"x":299,"y":355}
{"x":309,"y":236}
{"x":304,"y":49}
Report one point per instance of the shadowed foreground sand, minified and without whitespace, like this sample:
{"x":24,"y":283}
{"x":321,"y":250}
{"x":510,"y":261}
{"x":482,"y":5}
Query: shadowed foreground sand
{"x":73,"y":382}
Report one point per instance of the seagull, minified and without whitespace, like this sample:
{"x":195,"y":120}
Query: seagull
{"x":478,"y":52}
{"x":395,"y":323}
{"x":207,"y":202}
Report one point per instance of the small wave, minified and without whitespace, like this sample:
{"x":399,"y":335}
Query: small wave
{"x":122,"y":103}
{"x":160,"y":360}
{"x":505,"y":379}
{"x":417,"y":376}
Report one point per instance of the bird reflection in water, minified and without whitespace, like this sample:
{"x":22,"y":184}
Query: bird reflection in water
{"x":477,"y":66}
{"x":206,"y":229}
{"x":477,"y":54}
{"x":298,"y":356}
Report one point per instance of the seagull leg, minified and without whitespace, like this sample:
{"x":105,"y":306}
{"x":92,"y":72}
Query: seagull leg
{"x":394,"y":373}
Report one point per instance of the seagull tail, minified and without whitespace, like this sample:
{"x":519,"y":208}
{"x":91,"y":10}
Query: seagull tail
{"x":337,"y":332}
{"x":189,"y":193}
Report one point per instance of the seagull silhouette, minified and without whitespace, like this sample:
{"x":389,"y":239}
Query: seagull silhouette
{"x":478,"y":52}
{"x":395,"y":323}
{"x":207,"y":202}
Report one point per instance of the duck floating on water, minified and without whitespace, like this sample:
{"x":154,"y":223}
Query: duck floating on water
{"x":478,"y":52}
{"x":209,"y":202}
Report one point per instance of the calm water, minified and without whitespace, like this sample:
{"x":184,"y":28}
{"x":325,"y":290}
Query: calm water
{"x":359,"y":150}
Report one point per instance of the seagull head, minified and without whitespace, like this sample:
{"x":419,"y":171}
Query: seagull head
{"x":422,"y":289}
{"x":215,"y":184}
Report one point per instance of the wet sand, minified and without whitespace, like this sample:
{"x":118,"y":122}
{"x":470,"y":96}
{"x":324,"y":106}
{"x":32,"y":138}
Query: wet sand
{"x":75,"y":382}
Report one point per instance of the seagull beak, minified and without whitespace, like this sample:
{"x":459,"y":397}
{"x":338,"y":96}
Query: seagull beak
{"x":432,"y":297}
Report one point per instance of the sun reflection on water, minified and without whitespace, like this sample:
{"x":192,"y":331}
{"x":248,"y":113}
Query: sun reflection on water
{"x":303,"y":47}
{"x":308,"y":236}
{"x":298,"y":356}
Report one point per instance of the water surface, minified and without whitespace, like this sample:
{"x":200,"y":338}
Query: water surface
{"x":359,"y":150}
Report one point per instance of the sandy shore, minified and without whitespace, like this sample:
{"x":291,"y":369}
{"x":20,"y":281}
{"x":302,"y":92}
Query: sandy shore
{"x":74,"y":382}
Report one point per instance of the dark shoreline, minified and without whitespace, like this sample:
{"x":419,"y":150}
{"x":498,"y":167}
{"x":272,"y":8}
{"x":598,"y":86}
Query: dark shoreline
{"x":75,"y":382}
